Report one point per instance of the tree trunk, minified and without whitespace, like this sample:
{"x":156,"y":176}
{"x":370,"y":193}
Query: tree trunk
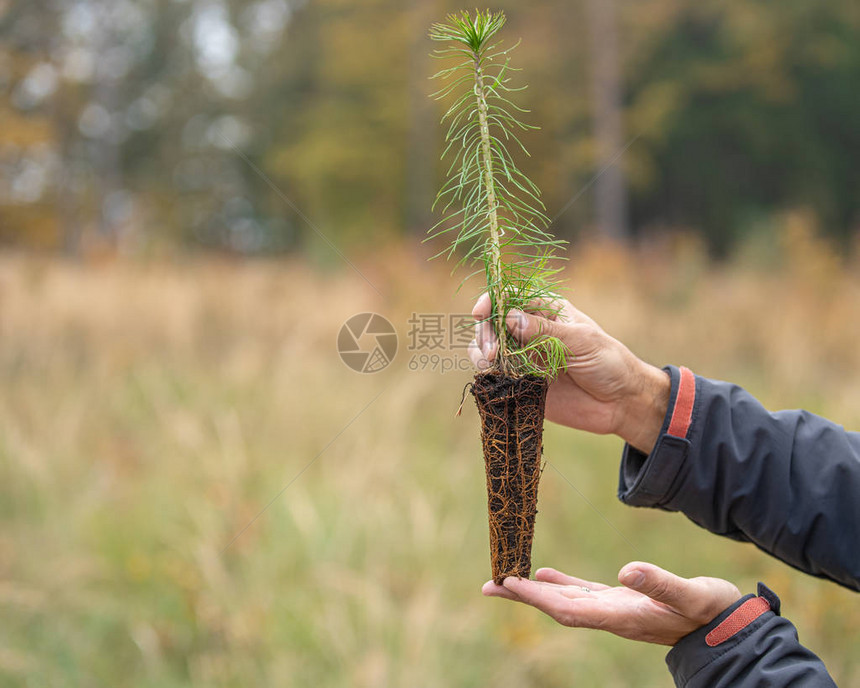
{"x":610,"y":186}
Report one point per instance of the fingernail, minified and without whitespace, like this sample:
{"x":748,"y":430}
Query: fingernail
{"x":634,"y":578}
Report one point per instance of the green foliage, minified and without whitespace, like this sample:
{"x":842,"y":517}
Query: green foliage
{"x":745,"y":108}
{"x":493,"y":214}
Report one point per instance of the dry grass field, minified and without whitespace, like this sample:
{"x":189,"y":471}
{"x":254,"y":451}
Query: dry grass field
{"x":149,"y":412}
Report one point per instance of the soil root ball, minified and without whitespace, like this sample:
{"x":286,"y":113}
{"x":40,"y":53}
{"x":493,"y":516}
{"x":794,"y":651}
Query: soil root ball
{"x":512,"y":414}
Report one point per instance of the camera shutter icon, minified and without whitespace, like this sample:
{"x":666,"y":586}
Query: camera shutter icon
{"x":367,"y":343}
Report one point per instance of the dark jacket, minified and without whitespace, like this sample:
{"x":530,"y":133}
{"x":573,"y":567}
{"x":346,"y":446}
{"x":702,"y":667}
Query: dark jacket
{"x":789,"y":482}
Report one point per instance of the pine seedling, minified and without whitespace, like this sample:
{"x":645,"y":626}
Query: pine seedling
{"x":493,"y":215}
{"x":494,"y":219}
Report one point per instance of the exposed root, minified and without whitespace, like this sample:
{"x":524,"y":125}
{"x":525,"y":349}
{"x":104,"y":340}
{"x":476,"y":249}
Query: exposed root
{"x":512,"y":414}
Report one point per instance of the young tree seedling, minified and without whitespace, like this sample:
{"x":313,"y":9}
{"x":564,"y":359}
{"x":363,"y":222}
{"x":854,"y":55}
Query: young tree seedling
{"x":494,"y":219}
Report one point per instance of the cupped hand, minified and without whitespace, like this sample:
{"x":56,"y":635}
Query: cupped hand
{"x":651,"y":605}
{"x":605,"y":389}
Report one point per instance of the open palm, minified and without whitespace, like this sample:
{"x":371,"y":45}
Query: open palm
{"x":652,"y":605}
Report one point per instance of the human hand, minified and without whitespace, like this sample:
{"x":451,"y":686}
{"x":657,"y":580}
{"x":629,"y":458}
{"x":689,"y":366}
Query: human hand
{"x":605,"y":389}
{"x":651,"y":605}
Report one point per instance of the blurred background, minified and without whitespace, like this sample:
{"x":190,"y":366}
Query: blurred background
{"x":196,"y":194}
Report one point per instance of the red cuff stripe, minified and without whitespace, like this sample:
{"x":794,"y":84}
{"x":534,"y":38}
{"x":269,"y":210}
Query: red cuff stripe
{"x":738,"y":620}
{"x":682,"y":414}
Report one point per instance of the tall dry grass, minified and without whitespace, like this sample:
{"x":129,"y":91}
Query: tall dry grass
{"x":150,"y":412}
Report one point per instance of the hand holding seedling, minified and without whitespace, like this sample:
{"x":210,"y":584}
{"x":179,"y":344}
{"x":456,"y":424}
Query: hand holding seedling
{"x":604,"y":389}
{"x":651,"y":605}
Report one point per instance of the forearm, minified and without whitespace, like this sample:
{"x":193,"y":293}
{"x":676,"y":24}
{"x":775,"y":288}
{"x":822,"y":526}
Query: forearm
{"x":786,"y":481}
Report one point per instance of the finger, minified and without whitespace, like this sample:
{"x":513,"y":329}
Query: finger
{"x":546,"y":599}
{"x":525,"y":326}
{"x":558,"y":309}
{"x":486,"y":339}
{"x":573,"y":592}
{"x":582,"y":611}
{"x":481,"y":311}
{"x":572,"y":314}
{"x":490,"y":589}
{"x":476,"y":356}
{"x":551,"y":308}
{"x":657,"y":583}
{"x":567,"y":605}
{"x":550,"y":575}
{"x":547,"y":307}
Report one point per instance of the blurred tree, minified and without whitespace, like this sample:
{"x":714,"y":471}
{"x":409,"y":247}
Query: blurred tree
{"x":422,"y":132}
{"x":246,"y":124}
{"x":148,"y":101}
{"x":745,"y":108}
{"x":610,"y":186}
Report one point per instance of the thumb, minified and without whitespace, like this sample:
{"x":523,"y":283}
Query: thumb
{"x":526,"y":326}
{"x":656,"y":583}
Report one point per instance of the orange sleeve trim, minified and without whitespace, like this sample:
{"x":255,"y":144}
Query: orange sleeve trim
{"x":738,"y":620}
{"x":682,"y":414}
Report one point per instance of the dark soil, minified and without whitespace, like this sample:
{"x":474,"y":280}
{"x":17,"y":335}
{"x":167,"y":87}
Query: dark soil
{"x":512,"y":413}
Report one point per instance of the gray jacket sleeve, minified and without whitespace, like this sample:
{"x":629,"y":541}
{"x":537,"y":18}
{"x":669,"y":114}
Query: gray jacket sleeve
{"x":789,"y":482}
{"x":749,"y":644}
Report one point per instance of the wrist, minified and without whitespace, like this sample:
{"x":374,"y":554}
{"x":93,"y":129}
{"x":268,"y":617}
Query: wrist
{"x":644,"y":411}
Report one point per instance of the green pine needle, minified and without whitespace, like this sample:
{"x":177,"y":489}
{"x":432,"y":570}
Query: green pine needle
{"x":492,"y":212}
